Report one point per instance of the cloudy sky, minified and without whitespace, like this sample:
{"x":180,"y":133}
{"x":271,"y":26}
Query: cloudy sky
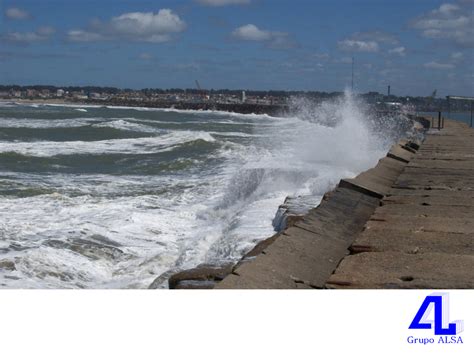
{"x":416,"y":46}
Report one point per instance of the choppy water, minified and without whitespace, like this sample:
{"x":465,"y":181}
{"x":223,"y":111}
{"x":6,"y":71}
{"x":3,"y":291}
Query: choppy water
{"x":96,"y":197}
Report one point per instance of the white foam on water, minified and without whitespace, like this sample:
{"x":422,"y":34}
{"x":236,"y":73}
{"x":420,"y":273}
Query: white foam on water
{"x":198,"y":112}
{"x":10,"y":122}
{"x":146,"y":145}
{"x":126,"y":125}
{"x":70,"y":105}
{"x":138,"y":108}
{"x":151,"y":231}
{"x":236,"y":134}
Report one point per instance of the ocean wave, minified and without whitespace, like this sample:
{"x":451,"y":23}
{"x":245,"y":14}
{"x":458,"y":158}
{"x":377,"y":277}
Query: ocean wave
{"x":96,"y":242}
{"x":200,"y":112}
{"x":10,"y":122}
{"x":147,"y":145}
{"x":235,"y":134}
{"x":7,"y":104}
{"x":71,"y":105}
{"x":126,"y":125}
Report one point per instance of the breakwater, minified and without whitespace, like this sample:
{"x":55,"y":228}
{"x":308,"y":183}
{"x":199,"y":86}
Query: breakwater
{"x":308,"y":250}
{"x":244,"y":108}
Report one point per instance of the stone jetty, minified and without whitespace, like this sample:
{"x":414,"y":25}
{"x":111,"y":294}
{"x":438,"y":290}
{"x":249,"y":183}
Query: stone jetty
{"x":422,"y":234}
{"x":406,"y":223}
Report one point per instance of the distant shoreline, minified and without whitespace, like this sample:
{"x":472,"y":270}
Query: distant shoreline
{"x":273,"y":110}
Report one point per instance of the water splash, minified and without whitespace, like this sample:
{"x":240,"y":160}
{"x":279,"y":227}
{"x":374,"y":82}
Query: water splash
{"x":305,"y":155}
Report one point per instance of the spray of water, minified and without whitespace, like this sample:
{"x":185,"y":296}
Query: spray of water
{"x":301,"y":156}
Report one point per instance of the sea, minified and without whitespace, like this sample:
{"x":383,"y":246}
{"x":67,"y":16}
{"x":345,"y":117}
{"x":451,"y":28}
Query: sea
{"x":465,"y":117}
{"x":115,"y":197}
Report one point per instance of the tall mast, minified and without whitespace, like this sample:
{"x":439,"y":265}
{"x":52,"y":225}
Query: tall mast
{"x":352,"y":82}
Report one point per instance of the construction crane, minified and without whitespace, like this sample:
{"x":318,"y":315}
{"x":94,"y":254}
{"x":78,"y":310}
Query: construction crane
{"x":202,"y":92}
{"x":198,"y":86}
{"x":431,"y":98}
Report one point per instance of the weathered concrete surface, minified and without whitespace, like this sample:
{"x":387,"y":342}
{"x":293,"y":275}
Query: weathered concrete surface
{"x":377,"y":181}
{"x":422,"y":235}
{"x":296,"y":257}
{"x":401,"y":153}
{"x":413,"y":242}
{"x":431,"y":198}
{"x":402,"y":270}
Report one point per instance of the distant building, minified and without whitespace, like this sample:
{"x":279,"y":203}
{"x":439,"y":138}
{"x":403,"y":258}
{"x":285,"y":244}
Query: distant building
{"x":243,"y":98}
{"x":31,"y":93}
{"x":60,"y":93}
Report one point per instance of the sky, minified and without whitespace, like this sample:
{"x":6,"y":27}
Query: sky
{"x":415,"y":46}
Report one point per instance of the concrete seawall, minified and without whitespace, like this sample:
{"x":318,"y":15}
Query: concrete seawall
{"x":308,"y":252}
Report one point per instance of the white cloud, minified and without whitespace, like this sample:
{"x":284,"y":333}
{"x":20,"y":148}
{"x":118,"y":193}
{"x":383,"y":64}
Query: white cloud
{"x":133,"y":26}
{"x":272,"y":39}
{"x":41,"y":34}
{"x":376,"y":36}
{"x":344,"y":60}
{"x":45,"y":31}
{"x":446,"y":9}
{"x":457,"y":56}
{"x":192,"y":66}
{"x":352,"y":45}
{"x":251,"y":33}
{"x":448,"y":22}
{"x":223,"y":2}
{"x":439,"y":66}
{"x":147,"y":23}
{"x":322,"y":56}
{"x":145,"y":56}
{"x":401,"y":51}
{"x":84,"y":36}
{"x":371,"y":42}
{"x":14,"y":13}
{"x":22,"y":37}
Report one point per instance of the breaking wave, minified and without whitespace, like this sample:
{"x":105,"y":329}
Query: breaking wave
{"x":146,"y":145}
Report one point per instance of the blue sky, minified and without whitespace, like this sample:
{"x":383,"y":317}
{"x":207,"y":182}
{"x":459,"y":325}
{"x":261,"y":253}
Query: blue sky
{"x":416,"y":46}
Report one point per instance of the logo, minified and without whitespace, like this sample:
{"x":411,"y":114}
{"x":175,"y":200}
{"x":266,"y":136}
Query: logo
{"x":436,"y":307}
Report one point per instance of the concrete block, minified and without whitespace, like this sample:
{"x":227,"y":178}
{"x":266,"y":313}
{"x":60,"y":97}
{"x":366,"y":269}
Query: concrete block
{"x":401,"y":270}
